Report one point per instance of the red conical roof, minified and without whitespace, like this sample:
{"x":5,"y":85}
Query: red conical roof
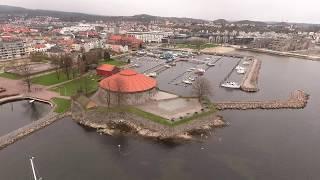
{"x":128,"y":81}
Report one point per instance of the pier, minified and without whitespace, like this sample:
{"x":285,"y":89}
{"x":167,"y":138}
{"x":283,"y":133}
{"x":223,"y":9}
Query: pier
{"x":297,"y":100}
{"x":250,"y":81}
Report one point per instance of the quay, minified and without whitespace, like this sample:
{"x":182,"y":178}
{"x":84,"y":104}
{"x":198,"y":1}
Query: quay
{"x":297,"y":100}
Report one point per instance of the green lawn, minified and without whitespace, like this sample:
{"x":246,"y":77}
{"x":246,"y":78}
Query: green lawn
{"x":89,"y":83}
{"x":114,"y":62}
{"x":50,"y":79}
{"x":10,"y":75}
{"x":62,"y":105}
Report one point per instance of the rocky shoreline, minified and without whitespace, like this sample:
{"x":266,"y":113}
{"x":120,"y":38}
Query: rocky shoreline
{"x":113,"y":123}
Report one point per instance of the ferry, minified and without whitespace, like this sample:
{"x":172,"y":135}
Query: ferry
{"x":187,"y":82}
{"x":232,"y":85}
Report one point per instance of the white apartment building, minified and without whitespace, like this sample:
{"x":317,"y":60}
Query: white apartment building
{"x":11,"y":50}
{"x":151,"y":36}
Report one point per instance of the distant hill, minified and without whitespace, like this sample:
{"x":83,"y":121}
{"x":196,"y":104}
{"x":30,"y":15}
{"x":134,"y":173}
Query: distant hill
{"x":74,"y":16}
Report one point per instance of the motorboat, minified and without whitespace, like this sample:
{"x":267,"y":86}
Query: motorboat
{"x":207,"y":58}
{"x":193,"y":69}
{"x":239,"y":68}
{"x":229,"y":84}
{"x":211,"y":64}
{"x":192,"y":78}
{"x":187,"y":81}
{"x":167,"y":66}
{"x":201,"y":70}
{"x":31,"y":101}
{"x":246,"y":63}
{"x":241,"y":71}
{"x":153,"y":74}
{"x":136,"y":65}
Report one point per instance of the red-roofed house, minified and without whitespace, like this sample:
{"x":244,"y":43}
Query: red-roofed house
{"x":107,"y":70}
{"x":125,"y":40}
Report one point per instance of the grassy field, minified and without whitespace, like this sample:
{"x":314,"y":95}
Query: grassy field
{"x":10,"y":76}
{"x":89,"y":83}
{"x":63,"y":105}
{"x":50,"y":79}
{"x":114,"y":62}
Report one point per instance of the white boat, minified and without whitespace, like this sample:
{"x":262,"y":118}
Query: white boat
{"x":192,"y":78}
{"x":187,"y":81}
{"x":153,"y":74}
{"x":193,"y":69}
{"x":233,"y":85}
{"x":211,"y":64}
{"x":167,"y":66}
{"x":136,"y":65}
{"x":246,"y":63}
{"x":241,"y":71}
{"x":31,"y":101}
{"x":207,"y":58}
{"x":201,"y":70}
{"x":239,"y":68}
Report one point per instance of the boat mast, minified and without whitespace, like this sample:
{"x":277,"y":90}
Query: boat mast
{"x":33,"y":169}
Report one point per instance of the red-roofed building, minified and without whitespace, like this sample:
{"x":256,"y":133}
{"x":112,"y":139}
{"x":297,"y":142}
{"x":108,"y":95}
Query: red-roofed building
{"x":135,"y":88}
{"x":107,"y":70}
{"x":125,"y":40}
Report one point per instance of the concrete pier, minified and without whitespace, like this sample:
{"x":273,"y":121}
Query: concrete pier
{"x":297,"y":100}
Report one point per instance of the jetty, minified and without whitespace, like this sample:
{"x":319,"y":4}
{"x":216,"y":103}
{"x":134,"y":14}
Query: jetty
{"x":250,"y":80}
{"x":297,"y":100}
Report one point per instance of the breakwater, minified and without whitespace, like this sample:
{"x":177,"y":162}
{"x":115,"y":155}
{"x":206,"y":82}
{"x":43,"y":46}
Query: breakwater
{"x":20,"y":133}
{"x":250,"y":80}
{"x":297,"y":100}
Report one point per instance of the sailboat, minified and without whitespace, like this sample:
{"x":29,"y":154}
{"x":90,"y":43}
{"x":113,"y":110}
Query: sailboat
{"x":34,"y":175}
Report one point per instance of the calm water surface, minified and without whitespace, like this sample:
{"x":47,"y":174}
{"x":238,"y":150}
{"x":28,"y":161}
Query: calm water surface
{"x":276,"y":144}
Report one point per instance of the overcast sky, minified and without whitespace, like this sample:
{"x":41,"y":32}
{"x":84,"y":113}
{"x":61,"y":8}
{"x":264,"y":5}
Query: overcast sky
{"x":265,"y":10}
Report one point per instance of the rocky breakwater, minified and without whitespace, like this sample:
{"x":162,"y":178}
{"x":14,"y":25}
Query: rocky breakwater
{"x":113,"y":123}
{"x":20,"y":133}
{"x":297,"y":100}
{"x":250,"y":82}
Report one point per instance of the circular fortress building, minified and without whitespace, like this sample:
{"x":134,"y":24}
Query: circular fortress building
{"x":127,"y":88}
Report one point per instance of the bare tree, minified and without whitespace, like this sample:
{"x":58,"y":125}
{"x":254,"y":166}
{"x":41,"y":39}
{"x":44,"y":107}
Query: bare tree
{"x":25,"y":70}
{"x":202,"y":87}
{"x":56,"y":61}
{"x":67,"y":64}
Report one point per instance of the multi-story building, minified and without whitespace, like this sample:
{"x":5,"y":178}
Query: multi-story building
{"x":152,"y":36}
{"x":12,"y":50}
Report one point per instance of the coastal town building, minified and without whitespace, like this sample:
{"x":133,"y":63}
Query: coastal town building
{"x":127,"y":87}
{"x":151,"y":36}
{"x":106,"y":70}
{"x":12,"y":49}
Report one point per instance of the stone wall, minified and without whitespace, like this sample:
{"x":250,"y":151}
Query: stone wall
{"x":127,"y":98}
